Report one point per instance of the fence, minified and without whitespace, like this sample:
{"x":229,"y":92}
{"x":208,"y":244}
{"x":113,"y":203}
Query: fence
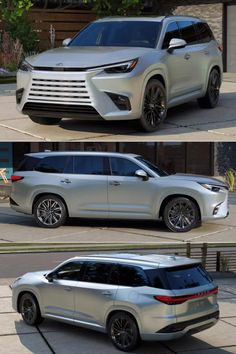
{"x":65,"y":22}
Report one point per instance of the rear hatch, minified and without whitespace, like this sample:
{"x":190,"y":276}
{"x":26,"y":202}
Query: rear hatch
{"x":193,"y":293}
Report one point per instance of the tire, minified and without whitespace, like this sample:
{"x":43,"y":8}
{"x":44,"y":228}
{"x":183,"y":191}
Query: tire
{"x":123,"y":331}
{"x":154,"y":106}
{"x":211,"y":98}
{"x":50,"y":211}
{"x":45,"y":120}
{"x":29,"y":310}
{"x":181,"y":214}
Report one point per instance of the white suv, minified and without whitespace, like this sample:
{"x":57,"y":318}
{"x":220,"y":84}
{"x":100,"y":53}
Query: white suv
{"x":56,"y":185}
{"x":123,"y":68}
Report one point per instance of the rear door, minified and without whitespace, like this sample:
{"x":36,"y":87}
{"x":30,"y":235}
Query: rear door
{"x":95,"y":294}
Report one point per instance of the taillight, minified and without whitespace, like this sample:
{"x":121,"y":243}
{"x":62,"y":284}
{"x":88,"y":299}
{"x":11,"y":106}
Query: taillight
{"x":15,"y":178}
{"x":220,"y":47}
{"x":176,"y":300}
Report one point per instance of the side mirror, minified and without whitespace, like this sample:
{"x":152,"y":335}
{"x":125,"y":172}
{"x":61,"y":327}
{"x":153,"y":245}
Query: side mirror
{"x":176,"y":43}
{"x":66,"y":42}
{"x":50,"y":277}
{"x":141,"y":174}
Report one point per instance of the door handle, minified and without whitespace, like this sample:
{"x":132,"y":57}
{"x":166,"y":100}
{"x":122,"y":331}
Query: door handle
{"x":68,"y":288}
{"x":114,"y":183}
{"x":107,"y":293}
{"x":187,"y":56}
{"x":206,"y":52}
{"x":66,"y":181}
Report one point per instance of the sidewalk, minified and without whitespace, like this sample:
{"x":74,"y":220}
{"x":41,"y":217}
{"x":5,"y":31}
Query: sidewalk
{"x":58,"y":338}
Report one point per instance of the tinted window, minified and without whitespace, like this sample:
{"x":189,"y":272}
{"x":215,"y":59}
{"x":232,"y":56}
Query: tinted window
{"x":172,"y":31}
{"x":123,"y":167}
{"x":29,"y":163}
{"x":89,"y":165}
{"x":119,"y":34}
{"x":176,"y":278}
{"x":204,"y":32}
{"x":96,"y":272}
{"x":187,"y":31}
{"x":70,"y":271}
{"x":131,"y":276}
{"x":56,"y":164}
{"x":152,"y":167}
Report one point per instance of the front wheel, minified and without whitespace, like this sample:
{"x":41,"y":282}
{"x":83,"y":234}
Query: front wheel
{"x":45,"y":120}
{"x":123,"y":331}
{"x":181,"y":214}
{"x":50,"y":211}
{"x":154,"y":106}
{"x":211,"y":98}
{"x":29,"y":310}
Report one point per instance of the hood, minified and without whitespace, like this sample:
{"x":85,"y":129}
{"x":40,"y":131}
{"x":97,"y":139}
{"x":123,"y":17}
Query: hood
{"x":85,"y":57}
{"x":199,"y":179}
{"x":38,"y":273}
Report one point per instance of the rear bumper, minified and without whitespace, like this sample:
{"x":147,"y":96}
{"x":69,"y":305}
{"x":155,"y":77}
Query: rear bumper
{"x":179,"y":329}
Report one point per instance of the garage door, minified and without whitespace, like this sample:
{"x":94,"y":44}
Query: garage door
{"x":231,"y":38}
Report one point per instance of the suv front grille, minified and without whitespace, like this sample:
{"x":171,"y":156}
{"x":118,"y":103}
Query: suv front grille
{"x":73,"y":91}
{"x":65,"y":109}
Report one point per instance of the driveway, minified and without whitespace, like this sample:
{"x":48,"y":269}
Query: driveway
{"x":184,"y":123}
{"x":16,"y":227}
{"x":55,"y":338}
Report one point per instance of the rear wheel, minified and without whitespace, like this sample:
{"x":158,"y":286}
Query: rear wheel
{"x":181,"y":214}
{"x":123,"y":331}
{"x":211,"y":98}
{"x":45,"y":120}
{"x":154,"y":106}
{"x":50,"y":211}
{"x":29,"y":310}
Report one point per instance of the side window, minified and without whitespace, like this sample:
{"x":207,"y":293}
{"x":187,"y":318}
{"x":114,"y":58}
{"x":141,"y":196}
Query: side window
{"x":55,"y":164}
{"x":132,"y":276}
{"x":97,"y":272}
{"x":187,"y":31}
{"x":204,"y":32}
{"x":70,"y":271}
{"x":172,"y":31}
{"x":89,"y":165}
{"x":123,"y":167}
{"x":29,"y":163}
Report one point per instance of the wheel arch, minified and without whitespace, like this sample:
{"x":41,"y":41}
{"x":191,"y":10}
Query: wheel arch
{"x":21,"y":293}
{"x":171,"y":196}
{"x":38,"y":196}
{"x":127,"y":311}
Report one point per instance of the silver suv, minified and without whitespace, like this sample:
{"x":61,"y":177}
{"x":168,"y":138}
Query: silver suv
{"x":129,"y":296}
{"x":55,"y":185}
{"x":123,"y":68}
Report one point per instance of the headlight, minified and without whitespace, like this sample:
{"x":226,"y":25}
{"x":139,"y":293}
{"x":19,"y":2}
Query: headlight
{"x":25,"y":66}
{"x":121,"y":68}
{"x":211,"y":187}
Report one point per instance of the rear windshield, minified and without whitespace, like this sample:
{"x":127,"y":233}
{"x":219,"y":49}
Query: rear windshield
{"x":177,"y":278}
{"x":28,"y":163}
{"x":119,"y":34}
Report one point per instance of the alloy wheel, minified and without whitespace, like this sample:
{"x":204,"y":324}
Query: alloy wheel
{"x":181,"y":215}
{"x":214,"y":86}
{"x":154,"y":106}
{"x":49,"y":212}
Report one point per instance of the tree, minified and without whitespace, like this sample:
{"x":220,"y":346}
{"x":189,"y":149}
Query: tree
{"x":17,"y":24}
{"x":13,"y":9}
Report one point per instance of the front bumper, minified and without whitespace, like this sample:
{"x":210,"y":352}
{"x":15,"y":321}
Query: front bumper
{"x":85,"y":95}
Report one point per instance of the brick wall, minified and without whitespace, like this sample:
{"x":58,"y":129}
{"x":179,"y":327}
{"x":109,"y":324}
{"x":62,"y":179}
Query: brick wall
{"x":212,"y":13}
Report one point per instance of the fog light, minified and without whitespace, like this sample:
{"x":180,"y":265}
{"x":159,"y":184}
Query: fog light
{"x":19,"y":94}
{"x":122,"y":102}
{"x":216,"y":209}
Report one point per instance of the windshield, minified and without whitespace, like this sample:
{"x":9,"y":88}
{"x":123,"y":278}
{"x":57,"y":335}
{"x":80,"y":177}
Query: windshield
{"x":119,"y":34}
{"x":152,"y":167}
